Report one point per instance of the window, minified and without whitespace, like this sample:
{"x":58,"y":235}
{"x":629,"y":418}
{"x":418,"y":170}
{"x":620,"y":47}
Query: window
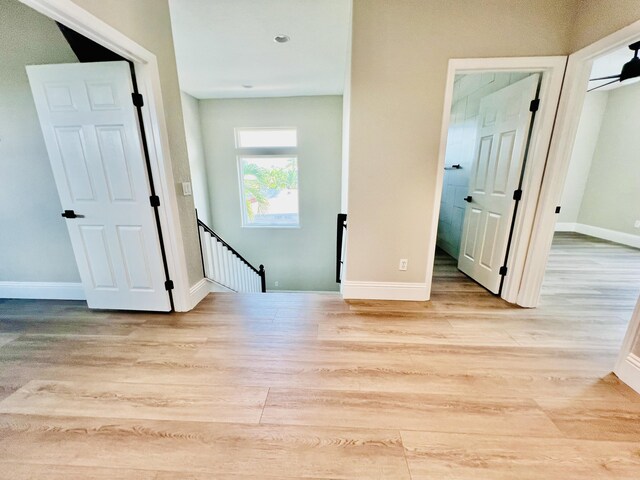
{"x":268,"y":170}
{"x":266,"y":137}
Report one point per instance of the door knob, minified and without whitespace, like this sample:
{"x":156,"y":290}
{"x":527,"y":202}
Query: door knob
{"x":71,"y":214}
{"x":468,"y":199}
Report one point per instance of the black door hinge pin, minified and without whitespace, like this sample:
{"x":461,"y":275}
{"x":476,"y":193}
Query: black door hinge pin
{"x":534,"y":105}
{"x":138,"y":101}
{"x":517,"y":194}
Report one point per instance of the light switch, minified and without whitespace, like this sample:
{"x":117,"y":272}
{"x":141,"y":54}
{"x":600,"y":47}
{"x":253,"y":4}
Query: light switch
{"x":186,"y":188}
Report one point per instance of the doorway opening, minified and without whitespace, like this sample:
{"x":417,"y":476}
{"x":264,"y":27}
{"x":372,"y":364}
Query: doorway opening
{"x":496,"y":130}
{"x":492,"y":117}
{"x":594,"y":260}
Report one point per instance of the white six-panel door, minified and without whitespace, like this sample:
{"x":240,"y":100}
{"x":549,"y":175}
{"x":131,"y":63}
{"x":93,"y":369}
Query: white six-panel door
{"x":92,"y":136}
{"x":503,"y":129}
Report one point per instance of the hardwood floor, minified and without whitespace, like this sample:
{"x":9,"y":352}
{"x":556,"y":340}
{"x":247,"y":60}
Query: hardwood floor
{"x":292,"y":386}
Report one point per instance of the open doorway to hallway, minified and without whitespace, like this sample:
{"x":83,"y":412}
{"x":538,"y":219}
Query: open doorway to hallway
{"x":490,"y":127}
{"x":595,"y":256}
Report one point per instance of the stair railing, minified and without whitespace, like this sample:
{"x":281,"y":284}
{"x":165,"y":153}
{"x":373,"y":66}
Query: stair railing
{"x":225,"y":266}
{"x":340,"y":237}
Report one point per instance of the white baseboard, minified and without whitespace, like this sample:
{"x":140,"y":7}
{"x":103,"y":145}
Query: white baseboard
{"x":565,"y":227}
{"x":216,"y":287}
{"x":385,"y":291}
{"x":628,"y":370}
{"x":603,"y":233}
{"x":611,"y":235}
{"x":198,"y":291}
{"x":42,"y":290}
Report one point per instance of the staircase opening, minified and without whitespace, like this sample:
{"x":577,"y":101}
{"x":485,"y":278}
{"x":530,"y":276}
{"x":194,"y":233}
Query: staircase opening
{"x":263,"y":108}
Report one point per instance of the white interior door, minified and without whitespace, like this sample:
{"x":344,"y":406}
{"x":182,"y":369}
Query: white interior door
{"x":92,"y":136}
{"x":503,"y":129}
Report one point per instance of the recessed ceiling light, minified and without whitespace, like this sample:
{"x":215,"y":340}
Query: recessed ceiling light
{"x":281,"y":38}
{"x":247,"y":86}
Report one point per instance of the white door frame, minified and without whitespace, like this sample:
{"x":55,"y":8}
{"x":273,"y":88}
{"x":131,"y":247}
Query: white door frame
{"x":628,"y":365}
{"x":552,"y":69}
{"x":569,"y":111}
{"x":148,"y":78}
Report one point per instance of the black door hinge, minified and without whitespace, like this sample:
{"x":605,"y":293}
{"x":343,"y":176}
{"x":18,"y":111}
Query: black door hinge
{"x":155,"y":200}
{"x":503,"y":271}
{"x":168,"y":285}
{"x":534,"y":105}
{"x":517,"y":194}
{"x":138,"y":101}
{"x":558,"y":209}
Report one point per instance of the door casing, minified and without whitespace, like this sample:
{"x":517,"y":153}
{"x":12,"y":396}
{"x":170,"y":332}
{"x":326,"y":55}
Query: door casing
{"x":552,"y":70}
{"x":148,"y":77}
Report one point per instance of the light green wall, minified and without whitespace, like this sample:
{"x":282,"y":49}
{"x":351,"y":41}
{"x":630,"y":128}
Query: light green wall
{"x":34,"y":243}
{"x":611,"y":196}
{"x":300,"y":259}
{"x":587,"y":135}
{"x":197,"y":162}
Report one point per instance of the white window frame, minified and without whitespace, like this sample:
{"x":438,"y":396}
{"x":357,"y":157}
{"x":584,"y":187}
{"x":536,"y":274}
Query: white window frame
{"x":237,"y":131}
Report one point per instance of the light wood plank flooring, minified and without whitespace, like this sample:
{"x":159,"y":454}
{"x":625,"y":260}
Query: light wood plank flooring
{"x":292,"y":386}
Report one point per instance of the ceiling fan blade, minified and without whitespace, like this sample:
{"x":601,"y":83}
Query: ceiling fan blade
{"x":604,"y":78}
{"x":600,"y":86}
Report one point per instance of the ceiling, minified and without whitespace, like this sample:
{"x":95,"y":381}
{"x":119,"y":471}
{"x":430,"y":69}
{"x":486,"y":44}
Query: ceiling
{"x":611,"y":64}
{"x":222,"y":45}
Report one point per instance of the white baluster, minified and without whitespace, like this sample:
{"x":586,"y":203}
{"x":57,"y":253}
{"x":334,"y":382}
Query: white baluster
{"x":245,"y":286}
{"x":217,"y":270}
{"x":205,"y":251}
{"x":227,"y":269}
{"x":210,"y":260}
{"x":233,"y":266}
{"x":232,"y":270}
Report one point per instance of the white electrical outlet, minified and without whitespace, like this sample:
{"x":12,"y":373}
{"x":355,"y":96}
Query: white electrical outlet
{"x":276,"y":283}
{"x":403,"y":264}
{"x":186,"y":189}
{"x":637,"y":224}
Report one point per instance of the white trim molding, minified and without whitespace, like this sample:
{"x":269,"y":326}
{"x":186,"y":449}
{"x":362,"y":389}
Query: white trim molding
{"x":418,"y":292}
{"x":628,"y":365}
{"x":628,"y":370}
{"x":204,"y":287}
{"x":215,"y":287}
{"x":603,"y":233}
{"x":566,"y":227}
{"x":198,"y":292}
{"x":42,"y":290}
